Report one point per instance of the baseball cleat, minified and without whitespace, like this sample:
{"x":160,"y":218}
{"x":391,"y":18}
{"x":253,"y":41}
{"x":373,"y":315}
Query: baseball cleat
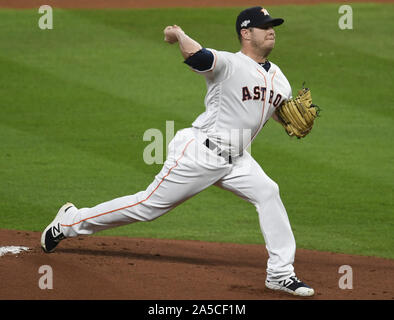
{"x":291,"y":285}
{"x":53,"y":233}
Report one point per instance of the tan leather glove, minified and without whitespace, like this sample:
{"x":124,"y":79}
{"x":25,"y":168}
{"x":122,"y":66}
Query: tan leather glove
{"x":297,"y":115}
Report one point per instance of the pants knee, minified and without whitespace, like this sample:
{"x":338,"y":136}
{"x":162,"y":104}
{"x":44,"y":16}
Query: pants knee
{"x":152,"y":212}
{"x":274,"y":188}
{"x":270,"y":190}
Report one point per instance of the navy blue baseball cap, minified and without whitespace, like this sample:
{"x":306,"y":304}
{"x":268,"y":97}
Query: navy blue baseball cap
{"x":256,"y":17}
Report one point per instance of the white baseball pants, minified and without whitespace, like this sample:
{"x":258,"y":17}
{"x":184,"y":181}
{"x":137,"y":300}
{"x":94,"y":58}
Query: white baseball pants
{"x":190,"y":168}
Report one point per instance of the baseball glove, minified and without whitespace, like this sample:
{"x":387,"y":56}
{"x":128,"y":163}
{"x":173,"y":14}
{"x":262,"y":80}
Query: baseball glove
{"x":297,"y":115}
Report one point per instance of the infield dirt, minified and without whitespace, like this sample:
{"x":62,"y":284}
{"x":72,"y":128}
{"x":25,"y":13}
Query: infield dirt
{"x":120,"y":268}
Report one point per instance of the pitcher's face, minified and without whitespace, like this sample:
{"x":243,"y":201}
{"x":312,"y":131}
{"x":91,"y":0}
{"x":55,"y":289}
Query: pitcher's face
{"x":263,"y":39}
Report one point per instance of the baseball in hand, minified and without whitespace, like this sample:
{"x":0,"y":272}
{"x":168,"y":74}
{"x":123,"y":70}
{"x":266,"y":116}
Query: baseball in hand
{"x":171,"y":32}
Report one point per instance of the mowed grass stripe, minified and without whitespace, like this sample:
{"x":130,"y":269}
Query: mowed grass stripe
{"x":127,"y":64}
{"x":37,"y":170}
{"x":68,"y":113}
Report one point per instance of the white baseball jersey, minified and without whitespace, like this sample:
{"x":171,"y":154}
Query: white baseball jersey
{"x":241,"y":97}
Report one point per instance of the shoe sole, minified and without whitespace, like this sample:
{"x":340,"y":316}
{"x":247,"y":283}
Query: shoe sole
{"x":54,"y":221}
{"x":310,"y":292}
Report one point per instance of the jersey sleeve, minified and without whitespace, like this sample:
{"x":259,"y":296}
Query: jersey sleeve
{"x":287,"y":91}
{"x":214,"y":65}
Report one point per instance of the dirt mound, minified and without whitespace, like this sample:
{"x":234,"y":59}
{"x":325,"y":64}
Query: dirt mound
{"x":120,"y":268}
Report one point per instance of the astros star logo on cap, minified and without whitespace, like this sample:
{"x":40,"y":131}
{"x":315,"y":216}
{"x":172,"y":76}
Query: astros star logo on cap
{"x":265,"y":12}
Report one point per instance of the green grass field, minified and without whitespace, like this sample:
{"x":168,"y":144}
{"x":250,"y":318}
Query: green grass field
{"x":75,"y":102}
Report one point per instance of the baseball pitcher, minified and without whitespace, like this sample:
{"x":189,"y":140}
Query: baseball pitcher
{"x":244,"y":90}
